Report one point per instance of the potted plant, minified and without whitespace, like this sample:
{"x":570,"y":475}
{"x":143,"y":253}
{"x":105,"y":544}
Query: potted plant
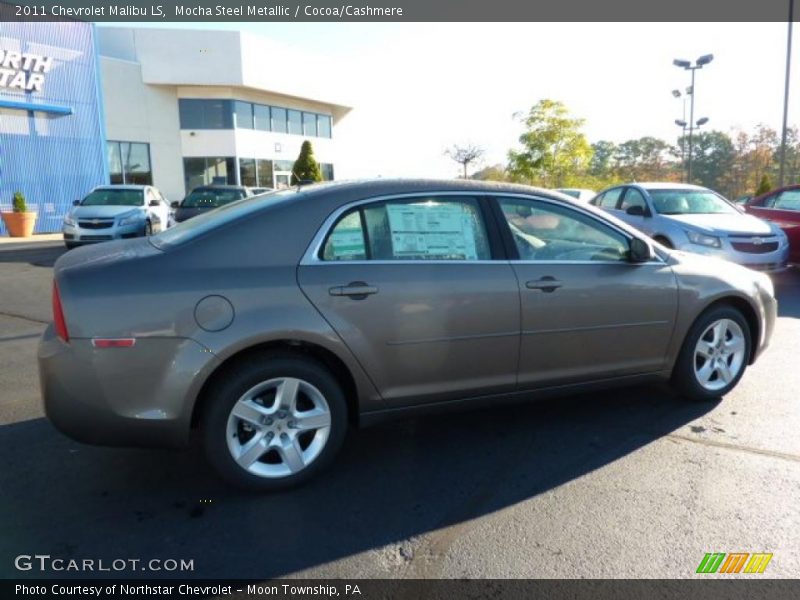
{"x":19,"y":221}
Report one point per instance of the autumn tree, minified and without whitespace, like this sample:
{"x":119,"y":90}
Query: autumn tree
{"x":554,"y":151}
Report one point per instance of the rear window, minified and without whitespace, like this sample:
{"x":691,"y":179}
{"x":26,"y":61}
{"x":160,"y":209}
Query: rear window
{"x":211,"y":197}
{"x":205,"y":222}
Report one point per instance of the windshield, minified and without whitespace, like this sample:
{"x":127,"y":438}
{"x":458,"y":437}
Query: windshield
{"x":211,"y":197}
{"x":114,"y":197}
{"x":196,"y":226}
{"x":690,"y":202}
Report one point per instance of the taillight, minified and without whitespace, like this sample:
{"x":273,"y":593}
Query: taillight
{"x":58,"y":315}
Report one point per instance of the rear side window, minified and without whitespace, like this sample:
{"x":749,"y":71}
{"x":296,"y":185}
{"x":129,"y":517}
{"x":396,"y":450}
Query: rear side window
{"x":788,"y":200}
{"x":443,"y":228}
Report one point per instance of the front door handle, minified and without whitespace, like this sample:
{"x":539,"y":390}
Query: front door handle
{"x":357,"y":290}
{"x":546,"y":284}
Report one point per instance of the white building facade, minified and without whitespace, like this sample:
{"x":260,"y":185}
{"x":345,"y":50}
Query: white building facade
{"x":184,"y":108}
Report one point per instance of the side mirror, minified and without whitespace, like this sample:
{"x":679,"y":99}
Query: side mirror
{"x":154,"y":203}
{"x":76,"y":203}
{"x":635,"y":211}
{"x":174,"y":204}
{"x":640,"y":251}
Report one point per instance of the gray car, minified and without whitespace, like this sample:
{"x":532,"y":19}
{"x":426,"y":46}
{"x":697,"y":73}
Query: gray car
{"x":113,"y":212}
{"x":283,"y":319}
{"x":696,"y":219}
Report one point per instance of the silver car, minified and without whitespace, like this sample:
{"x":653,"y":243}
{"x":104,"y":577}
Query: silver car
{"x":113,"y":212}
{"x":281,"y":320}
{"x":696,"y":219}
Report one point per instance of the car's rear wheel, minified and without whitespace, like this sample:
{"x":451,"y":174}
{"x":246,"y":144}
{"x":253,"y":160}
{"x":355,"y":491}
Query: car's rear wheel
{"x":714,"y":355}
{"x":148,"y":228}
{"x":274,"y":421}
{"x":70,"y":245}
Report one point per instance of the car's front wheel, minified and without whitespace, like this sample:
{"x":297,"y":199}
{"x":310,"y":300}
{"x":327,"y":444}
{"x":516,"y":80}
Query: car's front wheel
{"x":714,"y":355}
{"x":274,"y":421}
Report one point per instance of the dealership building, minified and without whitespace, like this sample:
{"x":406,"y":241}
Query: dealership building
{"x":82,"y":106}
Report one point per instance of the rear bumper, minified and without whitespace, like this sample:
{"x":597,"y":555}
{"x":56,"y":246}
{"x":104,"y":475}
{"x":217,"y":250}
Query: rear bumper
{"x":141,"y":396}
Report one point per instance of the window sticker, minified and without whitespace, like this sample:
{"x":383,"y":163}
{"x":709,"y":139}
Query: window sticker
{"x":347,"y":243}
{"x":430,"y":230}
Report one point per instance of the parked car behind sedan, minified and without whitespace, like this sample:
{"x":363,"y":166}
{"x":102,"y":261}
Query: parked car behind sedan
{"x":284,"y":319}
{"x":208,"y":197}
{"x":781,"y":207}
{"x":696,"y":219}
{"x":113,"y":212}
{"x":579,"y":193}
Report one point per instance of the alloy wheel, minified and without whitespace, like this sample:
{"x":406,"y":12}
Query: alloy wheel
{"x":719,"y":354}
{"x":278,"y":427}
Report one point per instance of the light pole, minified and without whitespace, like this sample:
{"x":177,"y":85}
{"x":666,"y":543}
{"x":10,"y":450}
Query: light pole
{"x":786,"y":93}
{"x":682,"y":124}
{"x":685,"y":64}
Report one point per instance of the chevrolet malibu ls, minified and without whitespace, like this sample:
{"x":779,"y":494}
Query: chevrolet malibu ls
{"x":113,"y":212}
{"x":283,"y":319}
{"x":695,"y":219}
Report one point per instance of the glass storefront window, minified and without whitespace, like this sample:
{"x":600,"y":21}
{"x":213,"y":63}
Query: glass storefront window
{"x":129,"y":162}
{"x":243,"y":114}
{"x":309,"y":124}
{"x":278,"y":119}
{"x":247,"y":172}
{"x":264,"y":173}
{"x":208,"y":171}
{"x":261,"y":117}
{"x":295,"y":122}
{"x":324,"y":126}
{"x":327,"y":171}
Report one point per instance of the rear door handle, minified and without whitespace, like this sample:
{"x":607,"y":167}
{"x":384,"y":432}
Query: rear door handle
{"x":546,"y":284}
{"x":358,"y":290}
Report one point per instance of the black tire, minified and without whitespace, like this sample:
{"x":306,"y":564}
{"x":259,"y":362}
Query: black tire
{"x":234,"y":382}
{"x":148,"y":229}
{"x":70,"y":245}
{"x":663,"y":241}
{"x":684,"y":379}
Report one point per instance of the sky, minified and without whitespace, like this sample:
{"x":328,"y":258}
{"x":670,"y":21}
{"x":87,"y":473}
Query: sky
{"x":418,"y":88}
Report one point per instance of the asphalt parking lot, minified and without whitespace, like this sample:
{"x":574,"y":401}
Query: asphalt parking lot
{"x":626,"y":484}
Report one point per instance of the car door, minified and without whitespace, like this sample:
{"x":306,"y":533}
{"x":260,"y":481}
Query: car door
{"x":783,"y":209}
{"x":412,"y":286}
{"x":633,"y":209}
{"x":587,"y":312}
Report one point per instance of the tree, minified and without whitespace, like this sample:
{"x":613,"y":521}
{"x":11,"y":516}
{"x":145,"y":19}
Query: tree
{"x":554,"y":150}
{"x":713,"y":161}
{"x":493,"y":173}
{"x":306,"y":168}
{"x":764,"y":185}
{"x":465,"y":155}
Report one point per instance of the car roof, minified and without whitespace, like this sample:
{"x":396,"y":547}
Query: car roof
{"x":121,"y":186}
{"x":666,"y":185}
{"x":220,"y":186}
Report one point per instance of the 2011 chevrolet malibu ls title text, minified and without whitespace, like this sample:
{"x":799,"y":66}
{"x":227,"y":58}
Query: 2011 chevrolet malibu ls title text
{"x":274,"y":323}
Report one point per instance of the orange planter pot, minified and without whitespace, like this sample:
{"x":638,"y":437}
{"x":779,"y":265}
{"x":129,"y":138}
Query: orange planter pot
{"x":19,"y":224}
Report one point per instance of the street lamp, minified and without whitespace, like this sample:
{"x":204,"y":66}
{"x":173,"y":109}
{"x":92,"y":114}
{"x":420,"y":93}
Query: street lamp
{"x":786,"y":94}
{"x":687,"y":65}
{"x":682,"y":123}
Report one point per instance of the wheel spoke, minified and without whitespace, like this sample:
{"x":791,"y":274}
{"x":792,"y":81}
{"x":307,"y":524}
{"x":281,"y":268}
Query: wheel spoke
{"x":249,"y":411}
{"x":704,"y":349}
{"x":734,"y":345}
{"x":288,"y":390}
{"x":252,"y":451}
{"x":312,"y":419}
{"x":291,"y":453}
{"x":720,"y":329}
{"x":705,"y":372}
{"x":724,"y":371}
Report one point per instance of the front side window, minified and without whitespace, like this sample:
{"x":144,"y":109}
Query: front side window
{"x":547,"y":232}
{"x":435,"y":228}
{"x":633,"y":197}
{"x":610,"y":198}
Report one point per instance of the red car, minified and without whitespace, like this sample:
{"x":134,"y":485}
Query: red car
{"x":782,"y":207}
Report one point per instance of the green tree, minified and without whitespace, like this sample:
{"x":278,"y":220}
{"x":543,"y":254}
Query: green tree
{"x":554,"y":152}
{"x":764,"y":185}
{"x":493,"y":173}
{"x":306,"y":168}
{"x":713,"y":161}
{"x":602,"y":162}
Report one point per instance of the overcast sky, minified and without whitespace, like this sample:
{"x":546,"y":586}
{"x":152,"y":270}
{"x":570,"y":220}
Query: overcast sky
{"x":416,"y":88}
